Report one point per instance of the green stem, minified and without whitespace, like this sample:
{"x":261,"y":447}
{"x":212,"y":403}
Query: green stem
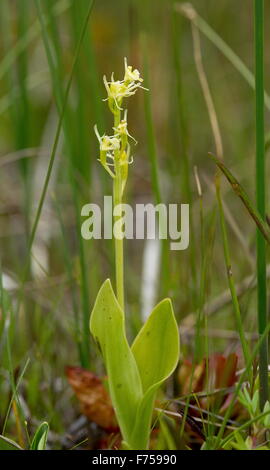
{"x":118,"y":243}
{"x":260,"y":191}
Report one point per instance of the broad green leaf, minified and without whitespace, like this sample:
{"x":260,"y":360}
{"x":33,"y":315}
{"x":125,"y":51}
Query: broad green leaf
{"x":142,"y":424}
{"x":107,"y":324}
{"x":40,"y":438}
{"x":156,"y":350}
{"x":156,"y":347}
{"x":168,"y":432}
{"x":8,"y":444}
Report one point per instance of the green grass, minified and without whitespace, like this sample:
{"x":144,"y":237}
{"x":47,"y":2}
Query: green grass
{"x":53,"y":55}
{"x":261,"y":196}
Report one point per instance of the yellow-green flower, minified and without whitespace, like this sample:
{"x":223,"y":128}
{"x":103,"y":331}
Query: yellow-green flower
{"x":119,"y":89}
{"x":131,"y":75}
{"x":122,"y":131}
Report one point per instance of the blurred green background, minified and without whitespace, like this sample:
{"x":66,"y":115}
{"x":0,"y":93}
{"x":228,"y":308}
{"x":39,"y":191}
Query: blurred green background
{"x":46,"y":301}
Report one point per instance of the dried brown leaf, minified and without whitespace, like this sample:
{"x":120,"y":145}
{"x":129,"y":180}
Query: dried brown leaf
{"x":93,"y":397}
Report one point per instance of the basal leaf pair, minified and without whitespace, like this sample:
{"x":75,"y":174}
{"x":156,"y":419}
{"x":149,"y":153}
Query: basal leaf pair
{"x":134,"y":373}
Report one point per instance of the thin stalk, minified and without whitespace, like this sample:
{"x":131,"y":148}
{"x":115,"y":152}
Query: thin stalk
{"x":260,"y":192}
{"x":118,"y":242}
{"x":241,"y":193}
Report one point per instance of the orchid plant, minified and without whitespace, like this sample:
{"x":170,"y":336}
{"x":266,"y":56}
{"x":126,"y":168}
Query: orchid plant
{"x":134,"y":372}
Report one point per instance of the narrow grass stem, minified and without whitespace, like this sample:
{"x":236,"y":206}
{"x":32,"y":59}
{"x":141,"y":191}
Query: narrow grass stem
{"x":260,"y":192}
{"x":241,"y":193}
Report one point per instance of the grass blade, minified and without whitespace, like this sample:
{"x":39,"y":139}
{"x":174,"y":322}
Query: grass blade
{"x":260,"y":191}
{"x":241,"y":193}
